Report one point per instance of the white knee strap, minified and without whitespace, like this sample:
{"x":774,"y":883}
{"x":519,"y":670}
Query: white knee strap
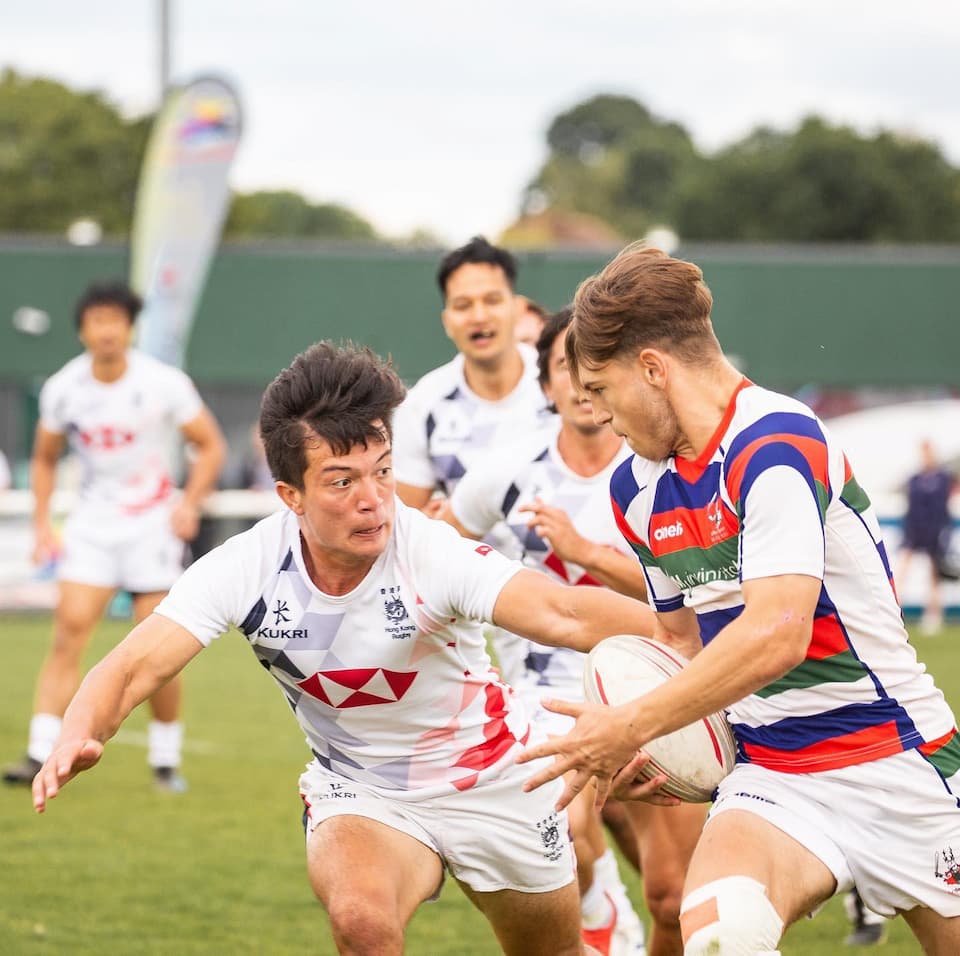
{"x":730,"y":917}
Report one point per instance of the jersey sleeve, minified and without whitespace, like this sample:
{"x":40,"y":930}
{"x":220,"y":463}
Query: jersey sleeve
{"x":662,"y":592}
{"x":53,"y":407}
{"x":478,"y":500}
{"x":216,"y":591}
{"x":459,"y":578}
{"x":411,"y":456}
{"x":184,"y":398}
{"x":777,"y":477}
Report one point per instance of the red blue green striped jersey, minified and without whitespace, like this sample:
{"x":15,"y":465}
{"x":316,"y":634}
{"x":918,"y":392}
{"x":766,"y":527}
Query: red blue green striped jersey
{"x":773,"y":494}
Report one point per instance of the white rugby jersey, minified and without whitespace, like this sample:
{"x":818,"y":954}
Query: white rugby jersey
{"x":391,"y":683}
{"x":442,"y":428}
{"x":121,"y":431}
{"x":495,"y":493}
{"x":773,"y":494}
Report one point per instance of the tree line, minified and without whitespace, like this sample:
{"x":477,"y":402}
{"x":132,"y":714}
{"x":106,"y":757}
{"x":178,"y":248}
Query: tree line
{"x":66,"y":155}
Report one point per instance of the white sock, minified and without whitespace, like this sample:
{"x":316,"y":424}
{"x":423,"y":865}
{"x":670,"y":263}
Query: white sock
{"x":44,"y":731}
{"x":164,"y":743}
{"x":596,"y":908}
{"x":606,"y":870}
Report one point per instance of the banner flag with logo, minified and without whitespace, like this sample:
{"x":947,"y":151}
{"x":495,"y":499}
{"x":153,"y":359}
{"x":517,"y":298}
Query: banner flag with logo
{"x":182,"y":200}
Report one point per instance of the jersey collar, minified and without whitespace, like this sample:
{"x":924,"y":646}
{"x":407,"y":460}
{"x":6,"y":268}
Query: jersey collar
{"x":692,"y":470}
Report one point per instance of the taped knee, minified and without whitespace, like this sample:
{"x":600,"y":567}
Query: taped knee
{"x":729,"y":917}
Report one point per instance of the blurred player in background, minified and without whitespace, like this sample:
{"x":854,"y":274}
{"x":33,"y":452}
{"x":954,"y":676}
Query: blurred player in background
{"x":926,"y":529}
{"x":120,"y":411}
{"x":531,"y":318}
{"x":757,"y":539}
{"x":483,"y":399}
{"x":555,"y":497}
{"x":367,"y":614}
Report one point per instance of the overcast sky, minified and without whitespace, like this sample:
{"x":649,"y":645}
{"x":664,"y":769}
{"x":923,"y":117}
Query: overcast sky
{"x":430,"y":113}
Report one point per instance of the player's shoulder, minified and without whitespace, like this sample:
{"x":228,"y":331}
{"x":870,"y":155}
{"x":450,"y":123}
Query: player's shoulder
{"x":147,"y":367}
{"x":633,"y":475}
{"x":74,"y":372}
{"x":438,"y":382}
{"x":762,"y":413}
{"x":264,"y":544}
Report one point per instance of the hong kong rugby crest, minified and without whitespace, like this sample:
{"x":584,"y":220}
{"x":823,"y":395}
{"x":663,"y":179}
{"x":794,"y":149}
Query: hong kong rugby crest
{"x":946,"y":867}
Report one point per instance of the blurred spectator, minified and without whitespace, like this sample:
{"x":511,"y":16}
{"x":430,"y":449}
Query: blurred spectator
{"x":926,"y":528}
{"x":531,"y":317}
{"x":5,"y":478}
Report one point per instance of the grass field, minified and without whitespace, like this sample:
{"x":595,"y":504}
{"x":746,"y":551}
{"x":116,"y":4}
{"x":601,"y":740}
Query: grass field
{"x":114,"y":868}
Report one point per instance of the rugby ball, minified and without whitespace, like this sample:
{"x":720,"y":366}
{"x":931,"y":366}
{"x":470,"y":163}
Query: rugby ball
{"x":695,"y":758}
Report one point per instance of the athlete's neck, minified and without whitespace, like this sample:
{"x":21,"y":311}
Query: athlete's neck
{"x":587,"y":453}
{"x":495,"y":379}
{"x":700,"y":398}
{"x":332,"y":576}
{"x":109,"y":369}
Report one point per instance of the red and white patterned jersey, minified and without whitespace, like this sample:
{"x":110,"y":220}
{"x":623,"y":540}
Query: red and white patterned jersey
{"x":496,"y":491}
{"x":391,"y":683}
{"x":122,"y":432}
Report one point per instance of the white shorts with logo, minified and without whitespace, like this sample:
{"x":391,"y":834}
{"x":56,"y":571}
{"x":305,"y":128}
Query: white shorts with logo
{"x":138,"y":553}
{"x":491,"y":837}
{"x":890,"y":826}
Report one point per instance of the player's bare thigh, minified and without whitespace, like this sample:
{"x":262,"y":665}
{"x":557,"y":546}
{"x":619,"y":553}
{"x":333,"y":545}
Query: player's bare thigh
{"x":938,"y":935}
{"x":533,"y":924}
{"x":79,"y":607}
{"x":370,"y":878}
{"x":739,"y":843}
{"x":667,"y":837}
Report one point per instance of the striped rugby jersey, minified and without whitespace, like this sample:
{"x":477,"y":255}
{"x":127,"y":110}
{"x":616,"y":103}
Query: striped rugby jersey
{"x":772,"y":494}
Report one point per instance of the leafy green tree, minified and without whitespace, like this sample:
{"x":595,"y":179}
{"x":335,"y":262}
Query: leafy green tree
{"x":64,"y":155}
{"x":610,"y":157}
{"x":278,"y":214}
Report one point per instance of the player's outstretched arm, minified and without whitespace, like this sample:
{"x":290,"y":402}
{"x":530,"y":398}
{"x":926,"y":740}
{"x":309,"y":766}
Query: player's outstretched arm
{"x":770,"y":637}
{"x":533,"y":606}
{"x":153,"y":652}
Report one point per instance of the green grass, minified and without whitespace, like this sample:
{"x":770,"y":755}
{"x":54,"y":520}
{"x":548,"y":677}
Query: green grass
{"x":115,"y":868}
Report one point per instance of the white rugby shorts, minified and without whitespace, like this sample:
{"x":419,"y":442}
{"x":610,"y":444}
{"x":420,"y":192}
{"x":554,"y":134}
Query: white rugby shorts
{"x":138,"y":553}
{"x":890,"y":826}
{"x":491,"y":837}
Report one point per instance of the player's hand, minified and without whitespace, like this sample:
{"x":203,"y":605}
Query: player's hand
{"x":45,"y":544}
{"x":603,"y":740}
{"x":627,"y":785}
{"x":185,"y":520}
{"x":67,"y":760}
{"x":554,"y":525}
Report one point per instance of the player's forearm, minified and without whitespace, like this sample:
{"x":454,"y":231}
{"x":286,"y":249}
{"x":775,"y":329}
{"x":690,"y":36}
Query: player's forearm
{"x":588,"y":615}
{"x":107,"y":695}
{"x":42,"y":483}
{"x":745,"y":656}
{"x":615,"y":571}
{"x":204,"y":471}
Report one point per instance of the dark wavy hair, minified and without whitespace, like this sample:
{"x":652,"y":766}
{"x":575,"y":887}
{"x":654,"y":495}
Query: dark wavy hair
{"x":344,"y":395}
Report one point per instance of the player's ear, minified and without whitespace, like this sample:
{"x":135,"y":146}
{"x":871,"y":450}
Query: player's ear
{"x":291,"y":497}
{"x":652,"y":366}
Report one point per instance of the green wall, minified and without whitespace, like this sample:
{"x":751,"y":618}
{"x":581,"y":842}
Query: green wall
{"x":791,"y":315}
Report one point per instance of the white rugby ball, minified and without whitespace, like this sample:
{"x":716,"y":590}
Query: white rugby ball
{"x":696,"y":757}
